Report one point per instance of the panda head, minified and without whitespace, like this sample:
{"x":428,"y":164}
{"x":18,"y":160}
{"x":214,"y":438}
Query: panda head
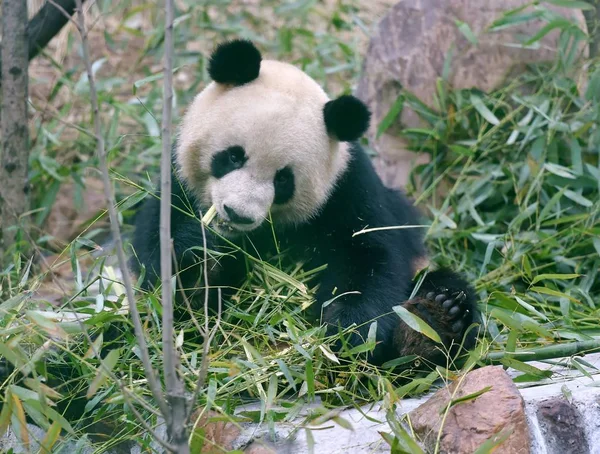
{"x":263,"y":140}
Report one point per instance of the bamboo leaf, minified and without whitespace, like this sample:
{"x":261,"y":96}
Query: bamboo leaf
{"x":405,"y":440}
{"x":394,"y":112}
{"x":286,"y":373}
{"x":101,"y":375}
{"x":558,"y":277}
{"x":571,"y":4}
{"x":53,"y":329}
{"x":19,"y":413}
{"x":577,"y":198}
{"x":560,"y":23}
{"x":467,"y":398}
{"x":483,"y":110}
{"x":50,"y":438}
{"x":310,"y":380}
{"x":416,"y":323}
{"x":490,"y":445}
{"x":549,"y":291}
{"x":465,"y":29}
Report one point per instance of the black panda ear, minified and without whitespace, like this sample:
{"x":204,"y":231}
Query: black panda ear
{"x":346,"y":118}
{"x":235,"y":62}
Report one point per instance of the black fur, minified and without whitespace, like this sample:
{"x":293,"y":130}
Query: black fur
{"x":235,"y":62}
{"x":346,"y":118}
{"x":227,"y":161}
{"x":379,"y":264}
{"x":284,"y":185}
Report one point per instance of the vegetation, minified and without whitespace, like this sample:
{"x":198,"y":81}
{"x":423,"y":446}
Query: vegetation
{"x":512,"y":190}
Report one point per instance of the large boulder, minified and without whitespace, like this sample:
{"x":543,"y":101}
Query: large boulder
{"x":409,"y":49}
{"x":492,"y":409}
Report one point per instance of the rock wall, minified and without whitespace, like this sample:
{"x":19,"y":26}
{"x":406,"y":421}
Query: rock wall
{"x":409,"y":48}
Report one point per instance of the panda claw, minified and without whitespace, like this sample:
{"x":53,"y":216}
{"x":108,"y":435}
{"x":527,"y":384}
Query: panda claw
{"x":454,"y":311}
{"x":457,"y":327}
{"x":448,"y":304}
{"x":461,"y":297}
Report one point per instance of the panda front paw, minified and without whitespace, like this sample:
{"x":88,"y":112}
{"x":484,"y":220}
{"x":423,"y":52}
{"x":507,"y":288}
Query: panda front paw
{"x":456,"y":309}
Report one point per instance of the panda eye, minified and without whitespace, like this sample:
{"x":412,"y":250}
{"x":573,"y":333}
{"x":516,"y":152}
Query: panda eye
{"x":284,"y":185}
{"x":281,"y":177}
{"x":228,"y":160}
{"x":236,"y":155}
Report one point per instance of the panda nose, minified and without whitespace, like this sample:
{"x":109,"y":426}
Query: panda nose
{"x":236,"y":218}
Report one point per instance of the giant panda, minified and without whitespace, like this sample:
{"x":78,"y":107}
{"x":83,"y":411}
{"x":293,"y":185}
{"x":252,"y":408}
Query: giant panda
{"x":266,"y":146}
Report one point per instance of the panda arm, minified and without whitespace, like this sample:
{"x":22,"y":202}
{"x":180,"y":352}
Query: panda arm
{"x":380,"y":266}
{"x":366,"y":290}
{"x":358,"y":288}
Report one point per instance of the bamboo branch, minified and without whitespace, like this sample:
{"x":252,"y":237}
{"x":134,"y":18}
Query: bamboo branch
{"x":153,"y":383}
{"x":207,"y":335}
{"x":547,"y":352}
{"x":177,"y":423}
{"x":592,"y":21}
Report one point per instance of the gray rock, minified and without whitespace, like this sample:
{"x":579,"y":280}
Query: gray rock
{"x":562,"y":424}
{"x":409,"y":50}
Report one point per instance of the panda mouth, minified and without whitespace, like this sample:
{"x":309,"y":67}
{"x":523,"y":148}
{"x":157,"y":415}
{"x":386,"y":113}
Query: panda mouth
{"x":224,"y":226}
{"x":227,"y":228}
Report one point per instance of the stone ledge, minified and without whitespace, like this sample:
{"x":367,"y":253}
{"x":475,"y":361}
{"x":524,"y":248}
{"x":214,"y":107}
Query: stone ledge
{"x":563,"y":415}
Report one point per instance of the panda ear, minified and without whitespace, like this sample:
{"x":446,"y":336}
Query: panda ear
{"x":346,"y":118}
{"x":235,"y":62}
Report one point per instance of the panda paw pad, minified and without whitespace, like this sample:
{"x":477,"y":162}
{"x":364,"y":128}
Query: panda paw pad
{"x":455,"y":306}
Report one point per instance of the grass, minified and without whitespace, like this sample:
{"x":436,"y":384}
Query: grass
{"x":512,"y":190}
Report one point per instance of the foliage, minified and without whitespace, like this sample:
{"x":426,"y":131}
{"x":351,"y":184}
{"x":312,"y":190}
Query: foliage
{"x":512,"y":189}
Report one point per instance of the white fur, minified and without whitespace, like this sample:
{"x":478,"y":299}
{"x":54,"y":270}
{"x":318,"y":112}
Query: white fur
{"x":278,"y":120}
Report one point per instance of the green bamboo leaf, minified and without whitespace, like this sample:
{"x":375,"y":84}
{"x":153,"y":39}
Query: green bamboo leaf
{"x":530,"y":308}
{"x":512,"y":18}
{"x":101,"y":374}
{"x":526,"y":368}
{"x":560,"y":171}
{"x":310,"y":379}
{"x":362,"y":348}
{"x":271,"y":392}
{"x":543,"y":277}
{"x":483,"y":110}
{"x":342,"y":422}
{"x":558,"y":23}
{"x":153,"y":78}
{"x":416,"y":323}
{"x":465,"y":29}
{"x":286,"y":373}
{"x":549,"y":291}
{"x":549,"y":206}
{"x":577,"y":198}
{"x":506,"y":319}
{"x":53,"y":329}
{"x":394,"y":112}
{"x":596,"y":243}
{"x":329,"y":354}
{"x":571,"y":4}
{"x":405,"y":440}
{"x":466,"y":398}
{"x":490,"y":445}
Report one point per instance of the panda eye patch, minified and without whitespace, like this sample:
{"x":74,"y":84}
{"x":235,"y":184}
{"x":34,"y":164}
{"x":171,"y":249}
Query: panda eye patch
{"x":236,"y":154}
{"x":284,"y":185}
{"x":228,"y":160}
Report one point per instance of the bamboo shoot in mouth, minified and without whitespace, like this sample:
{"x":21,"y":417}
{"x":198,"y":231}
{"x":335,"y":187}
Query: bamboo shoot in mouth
{"x":221,"y":224}
{"x":209,"y":215}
